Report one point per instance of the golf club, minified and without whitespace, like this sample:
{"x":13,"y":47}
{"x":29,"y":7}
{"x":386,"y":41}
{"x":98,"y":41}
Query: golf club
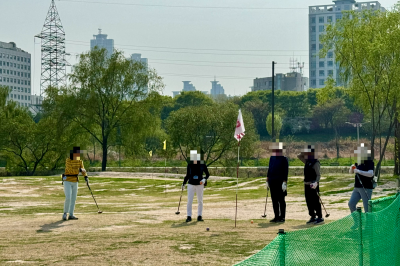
{"x":327,"y":214}
{"x":266,"y":201}
{"x":178,"y":212}
{"x":98,"y":210}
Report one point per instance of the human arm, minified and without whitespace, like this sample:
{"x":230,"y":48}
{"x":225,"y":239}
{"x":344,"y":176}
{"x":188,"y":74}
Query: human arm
{"x":351,"y":170}
{"x":317,"y":169}
{"x":83,"y":170}
{"x":301,"y":157}
{"x":369,"y":173}
{"x":185,"y":180}
{"x":285,"y":169}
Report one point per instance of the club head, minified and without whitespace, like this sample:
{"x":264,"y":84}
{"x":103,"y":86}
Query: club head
{"x":99,"y":212}
{"x":327,"y":215}
{"x":264,"y":216}
{"x":177,"y":213}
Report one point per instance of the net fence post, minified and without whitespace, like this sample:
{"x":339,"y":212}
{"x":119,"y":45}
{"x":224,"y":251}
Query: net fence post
{"x":360,"y":256}
{"x":282,"y":248}
{"x":371,"y":234}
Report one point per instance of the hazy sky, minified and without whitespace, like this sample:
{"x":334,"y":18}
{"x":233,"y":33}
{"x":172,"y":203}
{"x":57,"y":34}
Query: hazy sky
{"x":236,"y":44}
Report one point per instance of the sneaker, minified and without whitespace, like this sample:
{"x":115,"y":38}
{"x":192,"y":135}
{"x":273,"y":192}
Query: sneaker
{"x":188,"y":219}
{"x":200,"y":219}
{"x":64,"y":216}
{"x":312,"y":220}
{"x":281,"y":220}
{"x":319,"y":221}
{"x":275,"y":220}
{"x":71,"y":217}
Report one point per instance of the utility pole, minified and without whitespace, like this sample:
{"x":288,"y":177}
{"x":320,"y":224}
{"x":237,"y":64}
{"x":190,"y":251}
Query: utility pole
{"x":357,"y":125}
{"x":273,"y":99}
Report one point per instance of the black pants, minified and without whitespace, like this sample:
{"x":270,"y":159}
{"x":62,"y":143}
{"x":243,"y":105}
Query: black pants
{"x":312,"y":200}
{"x":278,"y":199}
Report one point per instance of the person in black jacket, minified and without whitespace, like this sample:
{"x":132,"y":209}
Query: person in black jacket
{"x":312,"y":177}
{"x":364,"y":172}
{"x":196,"y":182}
{"x":277,"y":181}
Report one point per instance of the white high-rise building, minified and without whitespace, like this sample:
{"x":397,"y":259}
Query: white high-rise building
{"x":100,"y":40}
{"x":319,"y":17}
{"x":15,"y":72}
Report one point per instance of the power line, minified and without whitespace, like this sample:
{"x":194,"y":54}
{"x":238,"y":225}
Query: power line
{"x":192,"y":7}
{"x":210,"y":65}
{"x":196,"y":49}
{"x":176,"y":52}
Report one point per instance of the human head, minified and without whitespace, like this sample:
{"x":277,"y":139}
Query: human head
{"x":311,"y":151}
{"x":74,"y":154}
{"x":277,"y":148}
{"x":194,"y":156}
{"x":363,"y":154}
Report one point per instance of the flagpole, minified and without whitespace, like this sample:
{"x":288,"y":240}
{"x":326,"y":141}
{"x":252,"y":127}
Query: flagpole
{"x":237,"y":181}
{"x":165,"y":180}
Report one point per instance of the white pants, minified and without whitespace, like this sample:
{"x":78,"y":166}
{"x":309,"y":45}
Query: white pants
{"x":199,"y":191}
{"x":70,"y":191}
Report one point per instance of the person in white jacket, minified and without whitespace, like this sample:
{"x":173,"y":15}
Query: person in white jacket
{"x":364,"y":175}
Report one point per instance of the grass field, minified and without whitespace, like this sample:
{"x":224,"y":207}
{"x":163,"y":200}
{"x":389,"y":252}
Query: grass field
{"x":139,"y":226}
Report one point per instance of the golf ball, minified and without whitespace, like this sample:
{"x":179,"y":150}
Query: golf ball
{"x":208,"y":229}
{"x":251,"y":221}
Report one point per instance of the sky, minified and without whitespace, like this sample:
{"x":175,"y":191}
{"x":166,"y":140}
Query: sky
{"x":232,"y":40}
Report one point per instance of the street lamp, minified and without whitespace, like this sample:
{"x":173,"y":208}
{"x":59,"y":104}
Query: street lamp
{"x":358,"y":125}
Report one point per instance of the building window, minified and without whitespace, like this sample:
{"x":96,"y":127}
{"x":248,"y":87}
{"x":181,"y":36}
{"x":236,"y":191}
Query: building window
{"x":312,"y":28}
{"x":313,"y":64}
{"x":330,"y":54}
{"x":321,"y":82}
{"x":346,"y":7}
{"x":29,"y":91}
{"x":313,"y":37}
{"x":312,"y":73}
{"x":321,"y":46}
{"x":330,"y":63}
{"x":19,"y":97}
{"x":330,"y":72}
{"x":321,"y":19}
{"x":29,"y":60}
{"x":312,"y":20}
{"x":322,"y":73}
{"x":313,"y":82}
{"x":29,"y":83}
{"x":322,"y":64}
{"x":329,"y":19}
{"x":313,"y":46}
{"x":338,"y":16}
{"x":321,"y":28}
{"x":29,"y":98}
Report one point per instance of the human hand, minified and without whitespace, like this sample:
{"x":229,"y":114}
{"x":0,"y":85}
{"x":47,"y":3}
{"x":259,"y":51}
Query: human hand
{"x":266,"y":185}
{"x":284,"y":186}
{"x":356,"y":171}
{"x":314,"y":185}
{"x":87,"y":179}
{"x":183,"y":186}
{"x":202,"y":182}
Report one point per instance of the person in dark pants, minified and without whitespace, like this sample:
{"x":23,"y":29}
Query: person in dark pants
{"x":312,"y":177}
{"x":277,"y":177}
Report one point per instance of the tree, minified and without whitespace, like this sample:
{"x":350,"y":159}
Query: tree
{"x":259,"y":110}
{"x":369,"y":63}
{"x":105,"y":95}
{"x":210,"y":130}
{"x":192,"y":98}
{"x":277,"y":125}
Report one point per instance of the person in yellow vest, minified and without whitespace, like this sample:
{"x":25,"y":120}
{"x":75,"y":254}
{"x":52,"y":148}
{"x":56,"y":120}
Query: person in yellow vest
{"x":73,"y":166}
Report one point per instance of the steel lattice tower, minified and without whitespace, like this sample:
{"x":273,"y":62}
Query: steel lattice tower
{"x":53,"y":51}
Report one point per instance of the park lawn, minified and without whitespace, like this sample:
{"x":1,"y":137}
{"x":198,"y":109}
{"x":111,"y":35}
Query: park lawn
{"x":138,"y":225}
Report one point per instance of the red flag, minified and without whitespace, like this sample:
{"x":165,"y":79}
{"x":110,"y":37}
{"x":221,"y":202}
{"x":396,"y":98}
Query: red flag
{"x":239,"y":131}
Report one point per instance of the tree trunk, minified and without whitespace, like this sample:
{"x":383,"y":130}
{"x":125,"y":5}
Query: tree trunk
{"x":337,"y":143}
{"x":378,"y":166}
{"x":397,"y":149}
{"x":105,"y":151}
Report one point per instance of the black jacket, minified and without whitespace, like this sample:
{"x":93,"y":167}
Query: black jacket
{"x":366,"y":181}
{"x":312,"y":171}
{"x":278,"y":169}
{"x":194,"y":174}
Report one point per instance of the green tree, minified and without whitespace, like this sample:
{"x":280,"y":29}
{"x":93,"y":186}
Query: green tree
{"x":369,"y":63}
{"x":277,"y":125}
{"x":209,"y":129}
{"x":192,"y":98}
{"x":105,"y":96}
{"x":259,"y":110}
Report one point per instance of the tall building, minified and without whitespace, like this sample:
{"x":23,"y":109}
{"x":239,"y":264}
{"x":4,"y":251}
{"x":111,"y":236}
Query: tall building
{"x":15,"y":72}
{"x":139,"y":58}
{"x":187,"y":86}
{"x":100,"y":40}
{"x":216,"y":89}
{"x":319,"y":17}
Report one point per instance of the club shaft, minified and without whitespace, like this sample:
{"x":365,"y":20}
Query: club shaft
{"x":266,"y":201}
{"x":322,"y":202}
{"x":180,"y":199}
{"x":93,"y":197}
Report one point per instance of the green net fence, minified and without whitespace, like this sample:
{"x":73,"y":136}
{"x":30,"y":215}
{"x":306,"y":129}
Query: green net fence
{"x":371,"y":238}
